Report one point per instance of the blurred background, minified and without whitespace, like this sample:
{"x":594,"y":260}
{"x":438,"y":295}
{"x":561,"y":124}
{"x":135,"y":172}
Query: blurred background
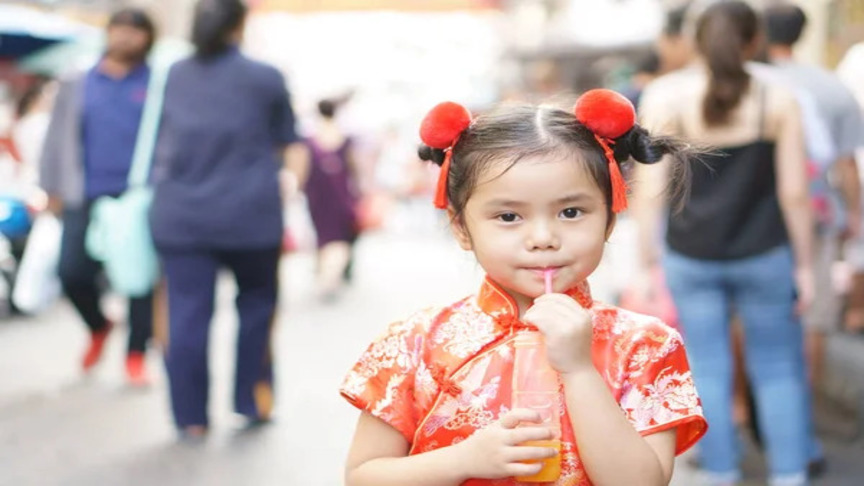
{"x":386,"y":62}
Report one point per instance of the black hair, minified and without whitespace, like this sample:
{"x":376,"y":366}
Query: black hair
{"x":723,"y":33}
{"x":214,"y":22}
{"x":137,"y":18}
{"x":674,"y":24}
{"x":514,"y":132}
{"x":327,"y":108}
{"x":784,"y":24}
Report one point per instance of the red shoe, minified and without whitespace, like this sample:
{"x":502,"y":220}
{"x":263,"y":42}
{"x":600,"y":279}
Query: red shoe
{"x":136,"y":371}
{"x":97,"y":343}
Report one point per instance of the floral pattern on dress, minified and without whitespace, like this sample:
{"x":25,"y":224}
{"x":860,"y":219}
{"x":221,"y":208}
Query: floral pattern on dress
{"x":464,"y":333}
{"x":444,"y":374}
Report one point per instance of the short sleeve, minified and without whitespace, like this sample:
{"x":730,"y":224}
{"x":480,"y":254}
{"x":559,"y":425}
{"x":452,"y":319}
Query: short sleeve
{"x":851,"y":130}
{"x":659,"y":393}
{"x":282,"y":120}
{"x":50,"y":169}
{"x":382,"y":381}
{"x":817,"y":134}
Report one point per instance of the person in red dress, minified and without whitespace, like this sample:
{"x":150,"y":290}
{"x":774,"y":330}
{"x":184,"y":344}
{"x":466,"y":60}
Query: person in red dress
{"x":533,"y":192}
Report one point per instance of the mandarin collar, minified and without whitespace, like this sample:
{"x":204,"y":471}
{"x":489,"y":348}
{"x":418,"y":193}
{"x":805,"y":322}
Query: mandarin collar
{"x":493,"y":300}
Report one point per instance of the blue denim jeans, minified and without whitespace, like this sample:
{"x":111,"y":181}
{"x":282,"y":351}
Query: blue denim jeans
{"x":761,"y":291}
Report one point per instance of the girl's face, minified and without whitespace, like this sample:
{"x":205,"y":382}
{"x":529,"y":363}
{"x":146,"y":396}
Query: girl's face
{"x":543,"y":213}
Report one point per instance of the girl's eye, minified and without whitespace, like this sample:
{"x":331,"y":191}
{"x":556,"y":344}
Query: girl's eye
{"x":571,"y":213}
{"x":508,"y":217}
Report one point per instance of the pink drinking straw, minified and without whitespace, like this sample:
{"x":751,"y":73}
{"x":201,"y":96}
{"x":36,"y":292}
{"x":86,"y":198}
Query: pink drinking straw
{"x":547,"y":276}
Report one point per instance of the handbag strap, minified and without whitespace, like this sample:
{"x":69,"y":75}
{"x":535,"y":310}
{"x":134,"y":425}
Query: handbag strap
{"x":145,"y":143}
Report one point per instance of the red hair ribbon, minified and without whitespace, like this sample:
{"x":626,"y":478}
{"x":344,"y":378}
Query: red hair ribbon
{"x":441,"y":188}
{"x":441,"y":129}
{"x":609,"y":115}
{"x":619,"y":185}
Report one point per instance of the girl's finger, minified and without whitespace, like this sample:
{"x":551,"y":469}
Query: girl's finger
{"x":520,"y":415}
{"x":536,"y":316}
{"x":520,"y":469}
{"x":525,"y":434}
{"x":560,"y":301}
{"x":557,"y":298}
{"x":565,"y":304}
{"x":530,"y":453}
{"x":551,"y":306}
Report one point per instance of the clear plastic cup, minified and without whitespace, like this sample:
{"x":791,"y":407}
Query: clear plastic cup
{"x":536,"y":387}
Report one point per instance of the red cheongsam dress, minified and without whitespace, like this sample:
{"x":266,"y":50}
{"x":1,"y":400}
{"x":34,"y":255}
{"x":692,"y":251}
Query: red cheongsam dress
{"x":443,"y":374}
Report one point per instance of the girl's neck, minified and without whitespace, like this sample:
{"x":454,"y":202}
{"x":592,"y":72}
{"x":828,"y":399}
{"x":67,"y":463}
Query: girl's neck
{"x":523,"y":303}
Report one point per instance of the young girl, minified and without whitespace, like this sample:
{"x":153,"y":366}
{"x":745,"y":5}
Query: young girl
{"x":532,"y":191}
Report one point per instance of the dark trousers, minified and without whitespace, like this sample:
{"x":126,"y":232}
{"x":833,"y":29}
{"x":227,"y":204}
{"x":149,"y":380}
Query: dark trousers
{"x":82,"y":283}
{"x":191,"y":280}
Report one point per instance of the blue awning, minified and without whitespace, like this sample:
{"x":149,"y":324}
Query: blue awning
{"x":25,"y":30}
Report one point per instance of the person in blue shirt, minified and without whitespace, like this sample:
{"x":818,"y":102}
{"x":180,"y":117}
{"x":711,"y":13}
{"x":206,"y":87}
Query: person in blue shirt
{"x":226,"y":126}
{"x":87,"y":154}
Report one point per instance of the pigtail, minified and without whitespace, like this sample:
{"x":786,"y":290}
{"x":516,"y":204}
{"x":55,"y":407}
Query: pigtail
{"x":429,"y":154}
{"x":639,"y":145}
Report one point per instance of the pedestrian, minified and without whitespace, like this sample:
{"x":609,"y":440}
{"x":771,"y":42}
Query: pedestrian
{"x":674,"y":47}
{"x":838,"y":108}
{"x":226,"y":123}
{"x":645,"y":69}
{"x":835,"y":186}
{"x":742,"y":242}
{"x":328,"y":175}
{"x":851,"y":72}
{"x":33,"y":114}
{"x":87,"y":154}
{"x":533,"y":192}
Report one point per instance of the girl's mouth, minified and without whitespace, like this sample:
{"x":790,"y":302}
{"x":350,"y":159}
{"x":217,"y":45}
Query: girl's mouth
{"x":541,"y":272}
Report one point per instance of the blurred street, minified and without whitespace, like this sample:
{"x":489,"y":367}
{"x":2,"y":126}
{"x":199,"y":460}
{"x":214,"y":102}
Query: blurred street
{"x":332,"y":94}
{"x":47,"y":408}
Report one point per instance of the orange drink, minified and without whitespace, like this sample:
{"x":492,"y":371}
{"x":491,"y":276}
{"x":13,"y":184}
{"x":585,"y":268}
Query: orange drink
{"x":551,"y":465}
{"x":536,"y":387}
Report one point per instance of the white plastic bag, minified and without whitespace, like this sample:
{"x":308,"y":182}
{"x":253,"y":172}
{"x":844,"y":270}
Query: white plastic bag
{"x":37,"y":285}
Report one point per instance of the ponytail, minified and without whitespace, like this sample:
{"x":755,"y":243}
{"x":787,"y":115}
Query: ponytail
{"x":215,"y":21}
{"x":724,"y":31}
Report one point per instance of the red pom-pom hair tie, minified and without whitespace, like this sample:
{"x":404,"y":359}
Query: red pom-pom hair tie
{"x":441,"y":129}
{"x":608,"y":115}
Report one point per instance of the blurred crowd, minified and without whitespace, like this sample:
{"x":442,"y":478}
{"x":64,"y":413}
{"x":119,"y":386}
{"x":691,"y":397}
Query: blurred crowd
{"x":143,"y":177}
{"x":239,"y":179}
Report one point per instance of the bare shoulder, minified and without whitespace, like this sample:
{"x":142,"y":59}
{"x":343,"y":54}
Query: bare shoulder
{"x":778,"y":97}
{"x":673,"y":85}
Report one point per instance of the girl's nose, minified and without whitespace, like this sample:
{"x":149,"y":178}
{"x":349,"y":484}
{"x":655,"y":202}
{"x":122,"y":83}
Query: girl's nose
{"x":542,"y":237}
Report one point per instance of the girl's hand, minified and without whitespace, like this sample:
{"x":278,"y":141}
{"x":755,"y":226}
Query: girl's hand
{"x":495,"y":452}
{"x":567,"y":329}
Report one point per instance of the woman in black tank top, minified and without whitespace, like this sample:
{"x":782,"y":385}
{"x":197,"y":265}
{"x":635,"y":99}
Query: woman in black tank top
{"x":740,"y":244}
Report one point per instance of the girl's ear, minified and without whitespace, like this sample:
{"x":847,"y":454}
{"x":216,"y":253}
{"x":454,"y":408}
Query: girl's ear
{"x":610,"y":227}
{"x":460,"y":231}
